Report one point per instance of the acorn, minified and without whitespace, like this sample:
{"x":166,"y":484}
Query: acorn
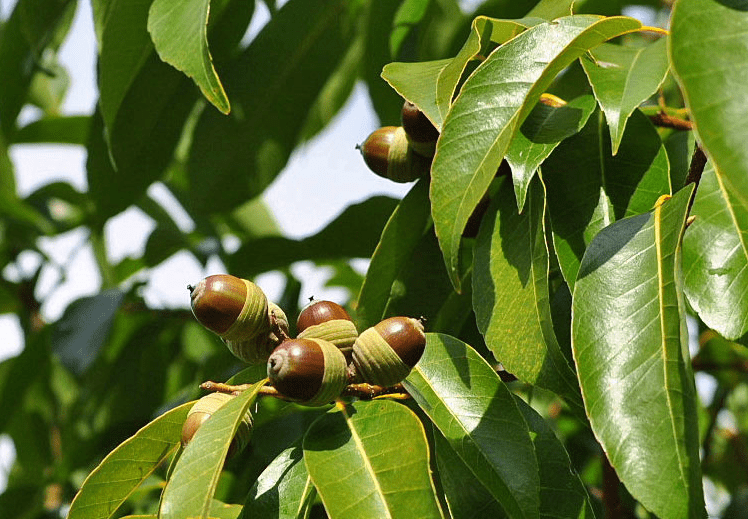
{"x":329,"y":321}
{"x":238,"y":311}
{"x":420,"y":132}
{"x":387,"y":153}
{"x":204,"y":409}
{"x":384,"y":354}
{"x":309,"y":371}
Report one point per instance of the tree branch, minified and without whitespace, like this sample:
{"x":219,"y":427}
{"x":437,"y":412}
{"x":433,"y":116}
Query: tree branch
{"x":360,"y":391}
{"x":668,"y":121}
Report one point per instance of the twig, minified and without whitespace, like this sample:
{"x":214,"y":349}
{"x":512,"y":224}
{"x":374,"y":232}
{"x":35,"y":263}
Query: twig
{"x":361,"y":391}
{"x":668,"y":121}
{"x":698,"y":161}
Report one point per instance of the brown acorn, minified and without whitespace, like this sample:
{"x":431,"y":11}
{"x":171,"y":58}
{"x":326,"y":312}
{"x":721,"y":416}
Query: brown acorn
{"x":204,"y":409}
{"x":329,"y":321}
{"x":387,"y":153}
{"x":421,"y":133}
{"x":384,"y":354}
{"x":309,"y":371}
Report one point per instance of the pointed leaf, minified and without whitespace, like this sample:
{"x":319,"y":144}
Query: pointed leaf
{"x":400,"y":236}
{"x":589,"y":189}
{"x":179,"y":32}
{"x":711,"y":68}
{"x":631,"y":348}
{"x":120,"y":473}
{"x":545,"y":127}
{"x":491,"y":106}
{"x":71,"y":129}
{"x":511,"y":295}
{"x":478,"y":416}
{"x":284,"y":490}
{"x":715,"y":258}
{"x":622,"y":78}
{"x":190,"y":489}
{"x":371,"y":459}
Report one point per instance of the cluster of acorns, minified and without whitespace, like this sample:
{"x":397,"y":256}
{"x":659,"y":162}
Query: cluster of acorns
{"x":312,"y":369}
{"x":402,"y":153}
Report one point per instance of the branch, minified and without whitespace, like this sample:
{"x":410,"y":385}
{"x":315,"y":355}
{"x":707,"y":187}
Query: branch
{"x":360,"y":391}
{"x":668,"y":121}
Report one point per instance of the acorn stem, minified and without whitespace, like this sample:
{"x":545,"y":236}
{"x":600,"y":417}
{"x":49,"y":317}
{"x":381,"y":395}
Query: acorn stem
{"x":361,"y":391}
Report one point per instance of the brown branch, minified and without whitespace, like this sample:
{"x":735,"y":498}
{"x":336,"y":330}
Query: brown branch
{"x":698,"y":161}
{"x":360,"y":391}
{"x":668,"y":121}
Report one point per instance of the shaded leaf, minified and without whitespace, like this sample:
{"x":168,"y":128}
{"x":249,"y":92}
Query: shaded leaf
{"x":710,"y":67}
{"x":715,"y":258}
{"x":545,"y":127}
{"x":284,"y":490}
{"x":190,"y":489}
{"x":624,"y":77}
{"x":408,"y":16}
{"x":491,"y":106}
{"x":478,"y":416}
{"x":511,"y":294}
{"x":400,"y":236}
{"x":179,"y":33}
{"x":371,"y":459}
{"x":120,"y":473}
{"x":588,"y":188}
{"x":72,"y":129}
{"x":630,"y":345}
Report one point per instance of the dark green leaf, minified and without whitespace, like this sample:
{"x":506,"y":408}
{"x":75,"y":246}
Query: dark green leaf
{"x":120,"y":473}
{"x":408,"y":16}
{"x":478,"y":416}
{"x":504,"y":88}
{"x":71,"y":129}
{"x":511,"y":294}
{"x":630,"y":344}
{"x":371,"y":459}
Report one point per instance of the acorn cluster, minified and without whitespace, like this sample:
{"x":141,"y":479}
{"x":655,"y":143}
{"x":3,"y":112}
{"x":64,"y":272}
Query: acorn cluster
{"x":327,"y":353}
{"x":402,"y":153}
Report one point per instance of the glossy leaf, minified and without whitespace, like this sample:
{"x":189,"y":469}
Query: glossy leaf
{"x":284,"y":490}
{"x":622,"y":78}
{"x":492,"y":104}
{"x":710,"y":67}
{"x":416,"y":82}
{"x":715,"y":258}
{"x":120,"y":473}
{"x":190,"y":489}
{"x":545,"y":127}
{"x":371,"y":459}
{"x":465,"y":399}
{"x":179,"y":33}
{"x":630,"y":345}
{"x":511,"y":294}
{"x":400,"y":236}
{"x":588,"y":188}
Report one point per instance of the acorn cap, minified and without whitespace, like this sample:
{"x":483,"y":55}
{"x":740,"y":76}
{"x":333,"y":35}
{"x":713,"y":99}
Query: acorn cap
{"x":204,"y":409}
{"x":310,"y":371}
{"x":327,"y":320}
{"x":320,"y":311}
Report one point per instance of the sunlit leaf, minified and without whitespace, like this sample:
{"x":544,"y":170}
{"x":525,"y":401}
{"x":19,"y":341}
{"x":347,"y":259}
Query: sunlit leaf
{"x":371,"y":459}
{"x":120,"y":473}
{"x":630,"y":345}
{"x":416,"y":82}
{"x":478,"y":416}
{"x":624,"y":77}
{"x":492,"y":104}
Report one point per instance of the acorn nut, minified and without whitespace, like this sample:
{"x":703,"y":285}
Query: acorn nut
{"x":387,"y":153}
{"x":204,"y":409}
{"x":421,"y":133}
{"x":309,"y":371}
{"x":329,"y":321}
{"x":384,"y":354}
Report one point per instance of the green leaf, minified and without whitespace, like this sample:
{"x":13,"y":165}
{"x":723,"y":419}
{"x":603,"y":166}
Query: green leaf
{"x":588,"y":188}
{"x":400,"y":236}
{"x":624,"y":77}
{"x":233,"y":159}
{"x":72,"y":129}
{"x":511,"y":294}
{"x":190,"y":489}
{"x":179,"y":33}
{"x":492,"y":104}
{"x":545,"y":127}
{"x":408,"y":16}
{"x":465,"y":399}
{"x":371,"y":459}
{"x":630,"y":345}
{"x":120,"y":473}
{"x":284,"y":490}
{"x":710,"y":67}
{"x":361,"y":224}
{"x":715,"y":258}
{"x":466,"y":496}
